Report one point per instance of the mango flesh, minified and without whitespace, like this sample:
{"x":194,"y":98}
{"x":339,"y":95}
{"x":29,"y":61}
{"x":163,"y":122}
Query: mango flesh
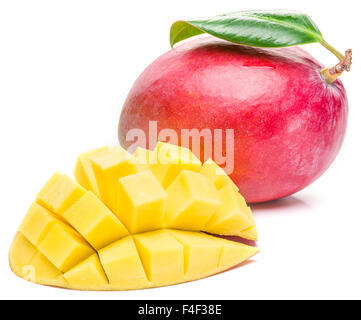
{"x":83,"y":171}
{"x":125,"y":226}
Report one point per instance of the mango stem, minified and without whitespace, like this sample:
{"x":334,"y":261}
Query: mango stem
{"x":332,"y":73}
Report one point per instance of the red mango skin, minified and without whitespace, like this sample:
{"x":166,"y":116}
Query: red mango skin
{"x":289,"y":124}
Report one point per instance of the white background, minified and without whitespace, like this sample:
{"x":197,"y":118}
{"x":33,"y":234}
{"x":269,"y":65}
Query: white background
{"x":65,"y":70}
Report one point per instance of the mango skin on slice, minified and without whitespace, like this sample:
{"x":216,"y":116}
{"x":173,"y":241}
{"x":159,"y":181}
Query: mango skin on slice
{"x":133,"y":222}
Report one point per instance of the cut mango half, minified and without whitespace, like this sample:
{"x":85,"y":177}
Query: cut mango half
{"x":133,"y":221}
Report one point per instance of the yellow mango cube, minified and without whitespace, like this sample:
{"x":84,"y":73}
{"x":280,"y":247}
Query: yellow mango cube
{"x":162,"y":257}
{"x":83,"y":171}
{"x":49,"y":184}
{"x":191,"y":201}
{"x":250,"y":233}
{"x":141,"y":202}
{"x":64,"y":248}
{"x":232,"y":216}
{"x":27,"y":262}
{"x":60,"y":193}
{"x":87,"y":275}
{"x":234,"y":253}
{"x":247,"y":209}
{"x":123,"y":266}
{"x":108,"y":167}
{"x":217,"y":175}
{"x":37,"y":223}
{"x":171,"y":160}
{"x":45,"y":272}
{"x":144,"y":158}
{"x":201,"y":253}
{"x":95,"y":222}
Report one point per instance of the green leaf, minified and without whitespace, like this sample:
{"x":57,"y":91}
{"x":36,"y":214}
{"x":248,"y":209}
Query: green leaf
{"x":256,"y":28}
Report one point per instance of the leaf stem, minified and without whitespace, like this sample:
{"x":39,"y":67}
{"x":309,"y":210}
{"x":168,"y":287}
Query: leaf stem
{"x":337,"y":53}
